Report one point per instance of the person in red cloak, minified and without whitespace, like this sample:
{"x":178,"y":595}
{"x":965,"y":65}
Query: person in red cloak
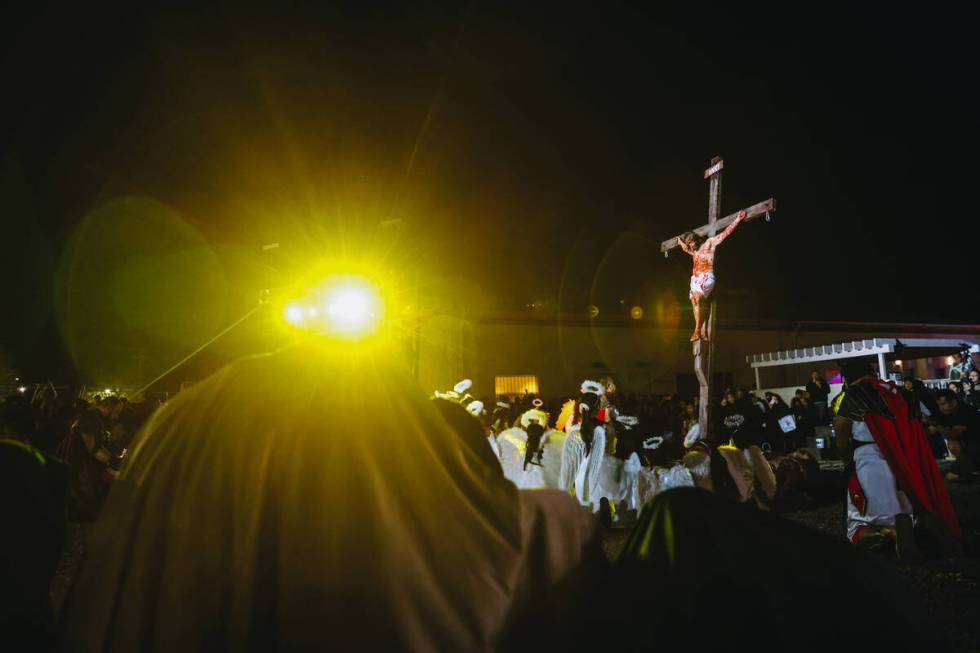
{"x":895,"y":476}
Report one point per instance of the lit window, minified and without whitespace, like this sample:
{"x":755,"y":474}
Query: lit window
{"x":516,"y":385}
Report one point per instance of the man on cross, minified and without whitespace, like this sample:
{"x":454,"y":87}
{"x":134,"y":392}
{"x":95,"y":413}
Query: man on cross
{"x":703,"y":277}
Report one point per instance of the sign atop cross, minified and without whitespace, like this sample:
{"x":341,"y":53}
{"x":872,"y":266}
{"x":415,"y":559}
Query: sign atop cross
{"x":703,"y":280}
{"x":713,"y":173}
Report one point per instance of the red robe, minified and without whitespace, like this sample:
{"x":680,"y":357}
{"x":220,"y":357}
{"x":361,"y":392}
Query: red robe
{"x":903,"y":443}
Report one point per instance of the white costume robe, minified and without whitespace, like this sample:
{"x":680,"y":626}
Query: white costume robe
{"x":552,"y":445}
{"x":651,"y":482}
{"x":581,"y":470}
{"x":631,"y":474}
{"x":611,"y":481}
{"x":884,"y":499}
{"x":512,"y":444}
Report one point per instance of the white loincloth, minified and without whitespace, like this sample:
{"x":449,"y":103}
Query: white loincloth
{"x":702,"y":284}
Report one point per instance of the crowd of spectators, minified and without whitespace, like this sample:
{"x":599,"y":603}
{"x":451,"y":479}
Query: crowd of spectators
{"x":91,"y":436}
{"x":58,"y":458}
{"x":737,"y":414}
{"x":86,"y":441}
{"x":74,"y":447}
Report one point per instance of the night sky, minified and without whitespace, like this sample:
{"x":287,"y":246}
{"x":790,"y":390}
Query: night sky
{"x":532,"y":153}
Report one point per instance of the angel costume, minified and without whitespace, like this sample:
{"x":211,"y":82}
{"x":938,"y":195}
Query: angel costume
{"x":315,"y":499}
{"x":581,"y":469}
{"x":512,"y":445}
{"x":552,"y":446}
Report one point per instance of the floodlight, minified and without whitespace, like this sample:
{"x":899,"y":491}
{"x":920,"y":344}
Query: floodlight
{"x":352,"y":306}
{"x":342,"y":305}
{"x":294,"y":314}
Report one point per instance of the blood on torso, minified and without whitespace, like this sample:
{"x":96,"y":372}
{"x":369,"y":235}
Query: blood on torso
{"x":704,"y":259}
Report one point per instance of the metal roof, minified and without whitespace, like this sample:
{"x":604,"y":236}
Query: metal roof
{"x":908,"y":348}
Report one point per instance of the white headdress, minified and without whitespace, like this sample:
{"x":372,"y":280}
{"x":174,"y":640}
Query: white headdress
{"x":593,"y":387}
{"x":627,"y":420}
{"x":458,"y":394}
{"x":693,"y":435}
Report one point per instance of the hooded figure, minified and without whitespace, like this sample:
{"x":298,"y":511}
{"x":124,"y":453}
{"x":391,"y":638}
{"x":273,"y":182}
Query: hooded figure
{"x":315,"y":499}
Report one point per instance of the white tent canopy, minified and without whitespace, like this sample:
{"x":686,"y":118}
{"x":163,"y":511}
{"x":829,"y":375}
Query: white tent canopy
{"x":882,"y":348}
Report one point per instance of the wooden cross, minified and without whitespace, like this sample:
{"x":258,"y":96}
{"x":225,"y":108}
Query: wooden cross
{"x":702,"y":358}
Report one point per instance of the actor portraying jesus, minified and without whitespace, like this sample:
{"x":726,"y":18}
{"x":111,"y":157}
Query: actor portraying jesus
{"x":703,"y":277}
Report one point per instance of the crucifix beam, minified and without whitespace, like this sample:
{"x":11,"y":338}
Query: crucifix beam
{"x":753,"y":212}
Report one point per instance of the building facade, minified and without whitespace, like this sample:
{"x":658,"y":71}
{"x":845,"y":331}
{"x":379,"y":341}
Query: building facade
{"x":551,"y":357}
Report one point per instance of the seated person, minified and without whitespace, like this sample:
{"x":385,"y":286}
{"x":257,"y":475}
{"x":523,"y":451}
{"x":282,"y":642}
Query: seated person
{"x":960,"y":425}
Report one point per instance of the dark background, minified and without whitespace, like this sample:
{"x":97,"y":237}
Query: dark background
{"x":533,"y":153}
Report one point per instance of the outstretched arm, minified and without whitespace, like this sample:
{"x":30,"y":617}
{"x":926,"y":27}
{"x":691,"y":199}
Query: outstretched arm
{"x":730,"y":228}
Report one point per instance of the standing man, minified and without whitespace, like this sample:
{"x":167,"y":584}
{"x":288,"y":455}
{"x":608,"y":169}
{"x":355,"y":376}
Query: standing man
{"x":703,"y":277}
{"x":894,"y":473}
{"x":819,"y":393}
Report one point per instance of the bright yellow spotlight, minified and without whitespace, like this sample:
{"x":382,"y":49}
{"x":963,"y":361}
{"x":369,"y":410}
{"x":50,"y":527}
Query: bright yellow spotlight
{"x":352,"y":306}
{"x":294,"y":314}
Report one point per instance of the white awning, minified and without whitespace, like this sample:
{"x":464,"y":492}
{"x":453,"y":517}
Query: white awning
{"x":904,"y":349}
